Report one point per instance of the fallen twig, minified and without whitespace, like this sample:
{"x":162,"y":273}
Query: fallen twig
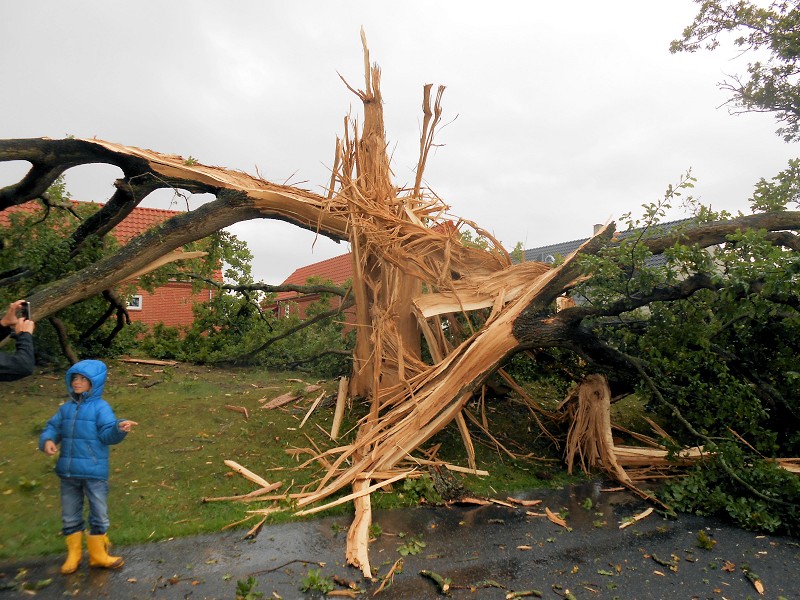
{"x":397,"y":567}
{"x":524,"y":502}
{"x":443,"y":583}
{"x":754,"y":579}
{"x":254,"y":531}
{"x":286,"y":564}
{"x":634,"y":518}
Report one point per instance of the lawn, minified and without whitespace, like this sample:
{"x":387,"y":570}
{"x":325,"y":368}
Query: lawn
{"x":174,"y":458}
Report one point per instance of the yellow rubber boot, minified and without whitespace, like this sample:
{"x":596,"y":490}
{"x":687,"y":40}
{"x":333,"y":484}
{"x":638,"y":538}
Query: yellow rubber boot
{"x":98,"y":552}
{"x":74,"y":550}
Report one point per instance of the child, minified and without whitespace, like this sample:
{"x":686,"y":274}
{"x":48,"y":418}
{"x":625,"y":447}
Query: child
{"x":85,"y":426}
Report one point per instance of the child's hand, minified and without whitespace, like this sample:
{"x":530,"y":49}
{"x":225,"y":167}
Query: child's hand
{"x":126,"y":426}
{"x":50,"y":448}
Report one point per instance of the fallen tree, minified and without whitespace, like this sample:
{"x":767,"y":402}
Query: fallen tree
{"x":415,"y":283}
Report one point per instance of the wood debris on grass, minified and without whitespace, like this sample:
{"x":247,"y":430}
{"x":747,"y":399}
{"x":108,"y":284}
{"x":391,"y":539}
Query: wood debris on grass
{"x":239,"y":409}
{"x":281,"y":400}
{"x":248,"y":474}
{"x":149,"y":361}
{"x":314,"y":405}
{"x":249,"y":496}
{"x":341,"y":401}
{"x":255,"y":530}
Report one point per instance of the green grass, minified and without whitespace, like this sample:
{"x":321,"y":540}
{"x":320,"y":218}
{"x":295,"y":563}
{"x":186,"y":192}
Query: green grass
{"x":174,"y":458}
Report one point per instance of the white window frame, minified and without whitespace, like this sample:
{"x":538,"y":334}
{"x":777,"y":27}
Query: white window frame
{"x":135,"y":302}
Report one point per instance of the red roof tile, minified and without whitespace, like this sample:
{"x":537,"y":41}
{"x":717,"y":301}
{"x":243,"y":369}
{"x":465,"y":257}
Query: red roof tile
{"x":139,"y":220}
{"x":338,"y":269}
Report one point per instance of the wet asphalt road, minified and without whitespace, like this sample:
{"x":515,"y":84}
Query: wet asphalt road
{"x":476,"y":547}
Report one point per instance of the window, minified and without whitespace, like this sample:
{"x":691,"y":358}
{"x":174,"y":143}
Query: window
{"x":135,"y":302}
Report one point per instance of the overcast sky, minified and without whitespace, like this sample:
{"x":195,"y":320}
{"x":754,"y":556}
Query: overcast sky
{"x":560,"y":115}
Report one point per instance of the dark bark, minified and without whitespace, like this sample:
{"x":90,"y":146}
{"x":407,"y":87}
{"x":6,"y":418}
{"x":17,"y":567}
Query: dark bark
{"x":298,"y":363}
{"x":125,"y":199}
{"x":684,"y":289}
{"x":50,"y":158}
{"x":711,"y":234}
{"x":63,"y":340}
{"x":115,"y":305}
{"x":264,"y":287}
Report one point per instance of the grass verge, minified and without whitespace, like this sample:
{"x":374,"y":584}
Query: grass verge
{"x":174,"y":458}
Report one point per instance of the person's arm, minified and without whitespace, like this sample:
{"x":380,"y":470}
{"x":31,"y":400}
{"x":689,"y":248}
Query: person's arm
{"x":21,"y":363}
{"x":108,"y":425}
{"x":51,"y":434}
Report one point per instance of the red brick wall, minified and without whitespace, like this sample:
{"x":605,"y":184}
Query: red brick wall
{"x":171,"y":304}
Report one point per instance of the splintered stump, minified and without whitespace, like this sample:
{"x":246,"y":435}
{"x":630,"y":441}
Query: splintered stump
{"x":589,"y":438}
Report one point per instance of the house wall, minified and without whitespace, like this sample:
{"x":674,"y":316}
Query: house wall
{"x":170,"y":304}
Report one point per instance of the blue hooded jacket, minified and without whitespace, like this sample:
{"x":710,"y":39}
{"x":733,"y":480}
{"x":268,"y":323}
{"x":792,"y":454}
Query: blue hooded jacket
{"x":85,"y":426}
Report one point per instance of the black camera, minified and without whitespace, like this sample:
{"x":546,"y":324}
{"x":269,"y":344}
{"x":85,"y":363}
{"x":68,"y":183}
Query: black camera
{"x":24,"y":311}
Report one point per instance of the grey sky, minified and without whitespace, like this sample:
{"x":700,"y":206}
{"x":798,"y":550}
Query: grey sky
{"x":561,"y":115}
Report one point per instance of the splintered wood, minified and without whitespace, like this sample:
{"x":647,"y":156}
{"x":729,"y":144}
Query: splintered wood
{"x":590,"y":440}
{"x":589,"y":436}
{"x":414,"y":277}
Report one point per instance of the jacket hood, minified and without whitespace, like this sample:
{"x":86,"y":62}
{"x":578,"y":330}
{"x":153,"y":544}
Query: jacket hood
{"x":95,"y":371}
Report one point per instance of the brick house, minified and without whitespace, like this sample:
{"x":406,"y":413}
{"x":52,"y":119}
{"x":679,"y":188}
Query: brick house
{"x":337,"y":269}
{"x":170,"y":304}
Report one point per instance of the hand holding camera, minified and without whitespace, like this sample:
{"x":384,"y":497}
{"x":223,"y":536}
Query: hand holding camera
{"x":24,"y":310}
{"x":18,"y":316}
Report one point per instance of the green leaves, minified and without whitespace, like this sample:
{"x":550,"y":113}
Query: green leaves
{"x":314,"y":580}
{"x":774,"y":31}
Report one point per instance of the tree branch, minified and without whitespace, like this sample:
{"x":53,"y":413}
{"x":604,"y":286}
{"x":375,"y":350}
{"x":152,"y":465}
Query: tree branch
{"x":307,"y":323}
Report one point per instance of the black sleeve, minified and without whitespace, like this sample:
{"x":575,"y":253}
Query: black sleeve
{"x":21,"y":363}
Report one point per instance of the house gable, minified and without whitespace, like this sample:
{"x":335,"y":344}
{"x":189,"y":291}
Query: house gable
{"x":337,"y":269}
